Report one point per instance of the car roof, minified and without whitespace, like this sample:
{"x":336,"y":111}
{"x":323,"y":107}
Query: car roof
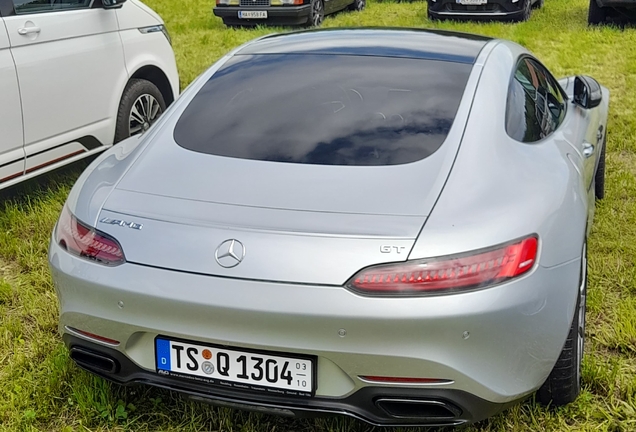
{"x":378,"y":42}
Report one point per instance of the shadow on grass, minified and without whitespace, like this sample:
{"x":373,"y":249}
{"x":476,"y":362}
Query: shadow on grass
{"x":44,"y":185}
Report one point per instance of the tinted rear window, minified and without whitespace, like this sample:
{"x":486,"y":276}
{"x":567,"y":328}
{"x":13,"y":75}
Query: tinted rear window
{"x":324,"y":109}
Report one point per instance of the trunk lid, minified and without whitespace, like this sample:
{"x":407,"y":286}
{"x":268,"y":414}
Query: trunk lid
{"x":298,"y":223}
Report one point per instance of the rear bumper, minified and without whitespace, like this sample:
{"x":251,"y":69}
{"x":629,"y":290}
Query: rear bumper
{"x":281,"y":15}
{"x":494,"y":9}
{"x":492,"y":347}
{"x":382,"y":406}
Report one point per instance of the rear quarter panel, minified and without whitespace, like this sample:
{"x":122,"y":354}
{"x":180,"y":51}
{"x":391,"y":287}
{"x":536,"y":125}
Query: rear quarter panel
{"x":501,"y":189}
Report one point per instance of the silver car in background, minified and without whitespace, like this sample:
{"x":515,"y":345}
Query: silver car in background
{"x":387,"y":224}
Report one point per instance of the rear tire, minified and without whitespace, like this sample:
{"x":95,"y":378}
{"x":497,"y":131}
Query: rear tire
{"x":596,"y":15}
{"x":564,"y":382}
{"x":525,"y":15}
{"x":429,"y":14}
{"x":357,"y":5}
{"x":599,"y":177}
{"x":317,"y":13}
{"x":527,"y":11}
{"x":538,"y":4}
{"x":141,"y":105}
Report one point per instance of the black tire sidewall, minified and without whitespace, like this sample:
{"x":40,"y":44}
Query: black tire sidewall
{"x":596,"y":15}
{"x":527,"y":12}
{"x":310,"y":23}
{"x":134,"y":89}
{"x":599,"y":176}
{"x":359,"y":5}
{"x":563,"y":385}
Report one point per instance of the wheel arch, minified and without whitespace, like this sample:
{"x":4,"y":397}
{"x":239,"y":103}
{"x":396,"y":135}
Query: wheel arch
{"x":156,"y":76}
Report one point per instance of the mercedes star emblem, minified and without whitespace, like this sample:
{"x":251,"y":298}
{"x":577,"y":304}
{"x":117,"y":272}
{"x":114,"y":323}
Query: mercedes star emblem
{"x":230,"y":253}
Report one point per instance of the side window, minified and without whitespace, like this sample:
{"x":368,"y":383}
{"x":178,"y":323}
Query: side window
{"x":536,"y":106}
{"x":37,"y":6}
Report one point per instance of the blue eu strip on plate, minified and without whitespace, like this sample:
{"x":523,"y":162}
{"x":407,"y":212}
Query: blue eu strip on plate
{"x":163,"y":354}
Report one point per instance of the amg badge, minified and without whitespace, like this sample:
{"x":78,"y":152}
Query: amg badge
{"x":133,"y":225}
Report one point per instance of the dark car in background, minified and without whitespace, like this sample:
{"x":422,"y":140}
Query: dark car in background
{"x":601,"y":10}
{"x":511,"y":10}
{"x":281,"y":12}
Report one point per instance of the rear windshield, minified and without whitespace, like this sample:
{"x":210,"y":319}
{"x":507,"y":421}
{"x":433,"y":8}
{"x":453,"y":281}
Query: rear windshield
{"x":324,"y":109}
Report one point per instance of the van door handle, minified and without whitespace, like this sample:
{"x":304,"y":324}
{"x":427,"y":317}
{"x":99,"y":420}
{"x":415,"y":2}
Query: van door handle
{"x":588,"y":149}
{"x":29,"y":30}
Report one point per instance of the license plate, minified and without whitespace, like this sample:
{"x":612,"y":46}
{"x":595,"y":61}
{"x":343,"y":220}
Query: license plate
{"x":252,"y":14}
{"x":265,"y":372}
{"x":472,"y":2}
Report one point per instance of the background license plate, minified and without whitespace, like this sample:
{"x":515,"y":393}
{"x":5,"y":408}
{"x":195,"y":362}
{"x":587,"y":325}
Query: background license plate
{"x":272,"y":372}
{"x":252,"y":14}
{"x":472,"y":2}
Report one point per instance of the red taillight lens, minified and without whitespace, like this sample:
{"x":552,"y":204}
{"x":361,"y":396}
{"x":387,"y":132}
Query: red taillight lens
{"x":83,"y":241}
{"x":466,"y":271}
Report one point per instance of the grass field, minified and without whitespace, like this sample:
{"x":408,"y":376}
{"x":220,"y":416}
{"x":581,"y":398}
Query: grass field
{"x":40,"y":389}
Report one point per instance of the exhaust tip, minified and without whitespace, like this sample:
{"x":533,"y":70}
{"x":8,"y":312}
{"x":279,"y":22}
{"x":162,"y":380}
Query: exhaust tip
{"x":94,"y":361}
{"x":429,"y":410}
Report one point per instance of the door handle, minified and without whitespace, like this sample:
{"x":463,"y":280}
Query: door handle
{"x":29,"y":30}
{"x":588,"y":149}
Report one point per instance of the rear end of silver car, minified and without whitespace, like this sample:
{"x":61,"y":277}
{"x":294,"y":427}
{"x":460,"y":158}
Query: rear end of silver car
{"x":280,"y":278}
{"x":443,"y":359}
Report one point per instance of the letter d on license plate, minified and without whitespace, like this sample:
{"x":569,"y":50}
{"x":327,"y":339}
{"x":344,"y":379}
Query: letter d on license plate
{"x":274,"y":373}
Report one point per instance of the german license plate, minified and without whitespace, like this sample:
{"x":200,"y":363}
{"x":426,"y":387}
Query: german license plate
{"x":265,"y":372}
{"x":472,"y":2}
{"x":252,"y":14}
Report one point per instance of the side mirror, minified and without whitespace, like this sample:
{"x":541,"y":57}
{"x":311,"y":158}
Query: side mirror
{"x":587,"y":92}
{"x":113,"y":4}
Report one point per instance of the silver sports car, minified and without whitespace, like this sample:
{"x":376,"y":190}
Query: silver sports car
{"x":388,"y":224}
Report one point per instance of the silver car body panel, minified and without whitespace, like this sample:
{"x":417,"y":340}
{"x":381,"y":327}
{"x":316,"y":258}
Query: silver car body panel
{"x":516,"y":330}
{"x":304,"y":243}
{"x":539,"y":187}
{"x":324,"y":223}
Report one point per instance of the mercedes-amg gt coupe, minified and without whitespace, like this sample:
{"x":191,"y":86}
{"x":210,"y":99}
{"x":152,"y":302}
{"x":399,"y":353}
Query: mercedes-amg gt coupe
{"x":388,"y":224}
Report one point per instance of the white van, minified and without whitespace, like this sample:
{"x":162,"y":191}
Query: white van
{"x":77,"y":76}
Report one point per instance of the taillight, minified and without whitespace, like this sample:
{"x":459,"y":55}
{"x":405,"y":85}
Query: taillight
{"x":448,"y":274}
{"x":83,"y":241}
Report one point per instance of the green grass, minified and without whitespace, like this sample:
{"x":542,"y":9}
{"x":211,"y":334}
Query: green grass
{"x":42,"y":390}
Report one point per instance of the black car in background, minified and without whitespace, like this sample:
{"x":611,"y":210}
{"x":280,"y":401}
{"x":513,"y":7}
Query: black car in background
{"x":509,"y":10}
{"x":601,"y":10}
{"x":281,"y":12}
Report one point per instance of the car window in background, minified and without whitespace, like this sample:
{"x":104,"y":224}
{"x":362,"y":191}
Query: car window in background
{"x":536,"y":106}
{"x":36,"y":6}
{"x":324,"y":109}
